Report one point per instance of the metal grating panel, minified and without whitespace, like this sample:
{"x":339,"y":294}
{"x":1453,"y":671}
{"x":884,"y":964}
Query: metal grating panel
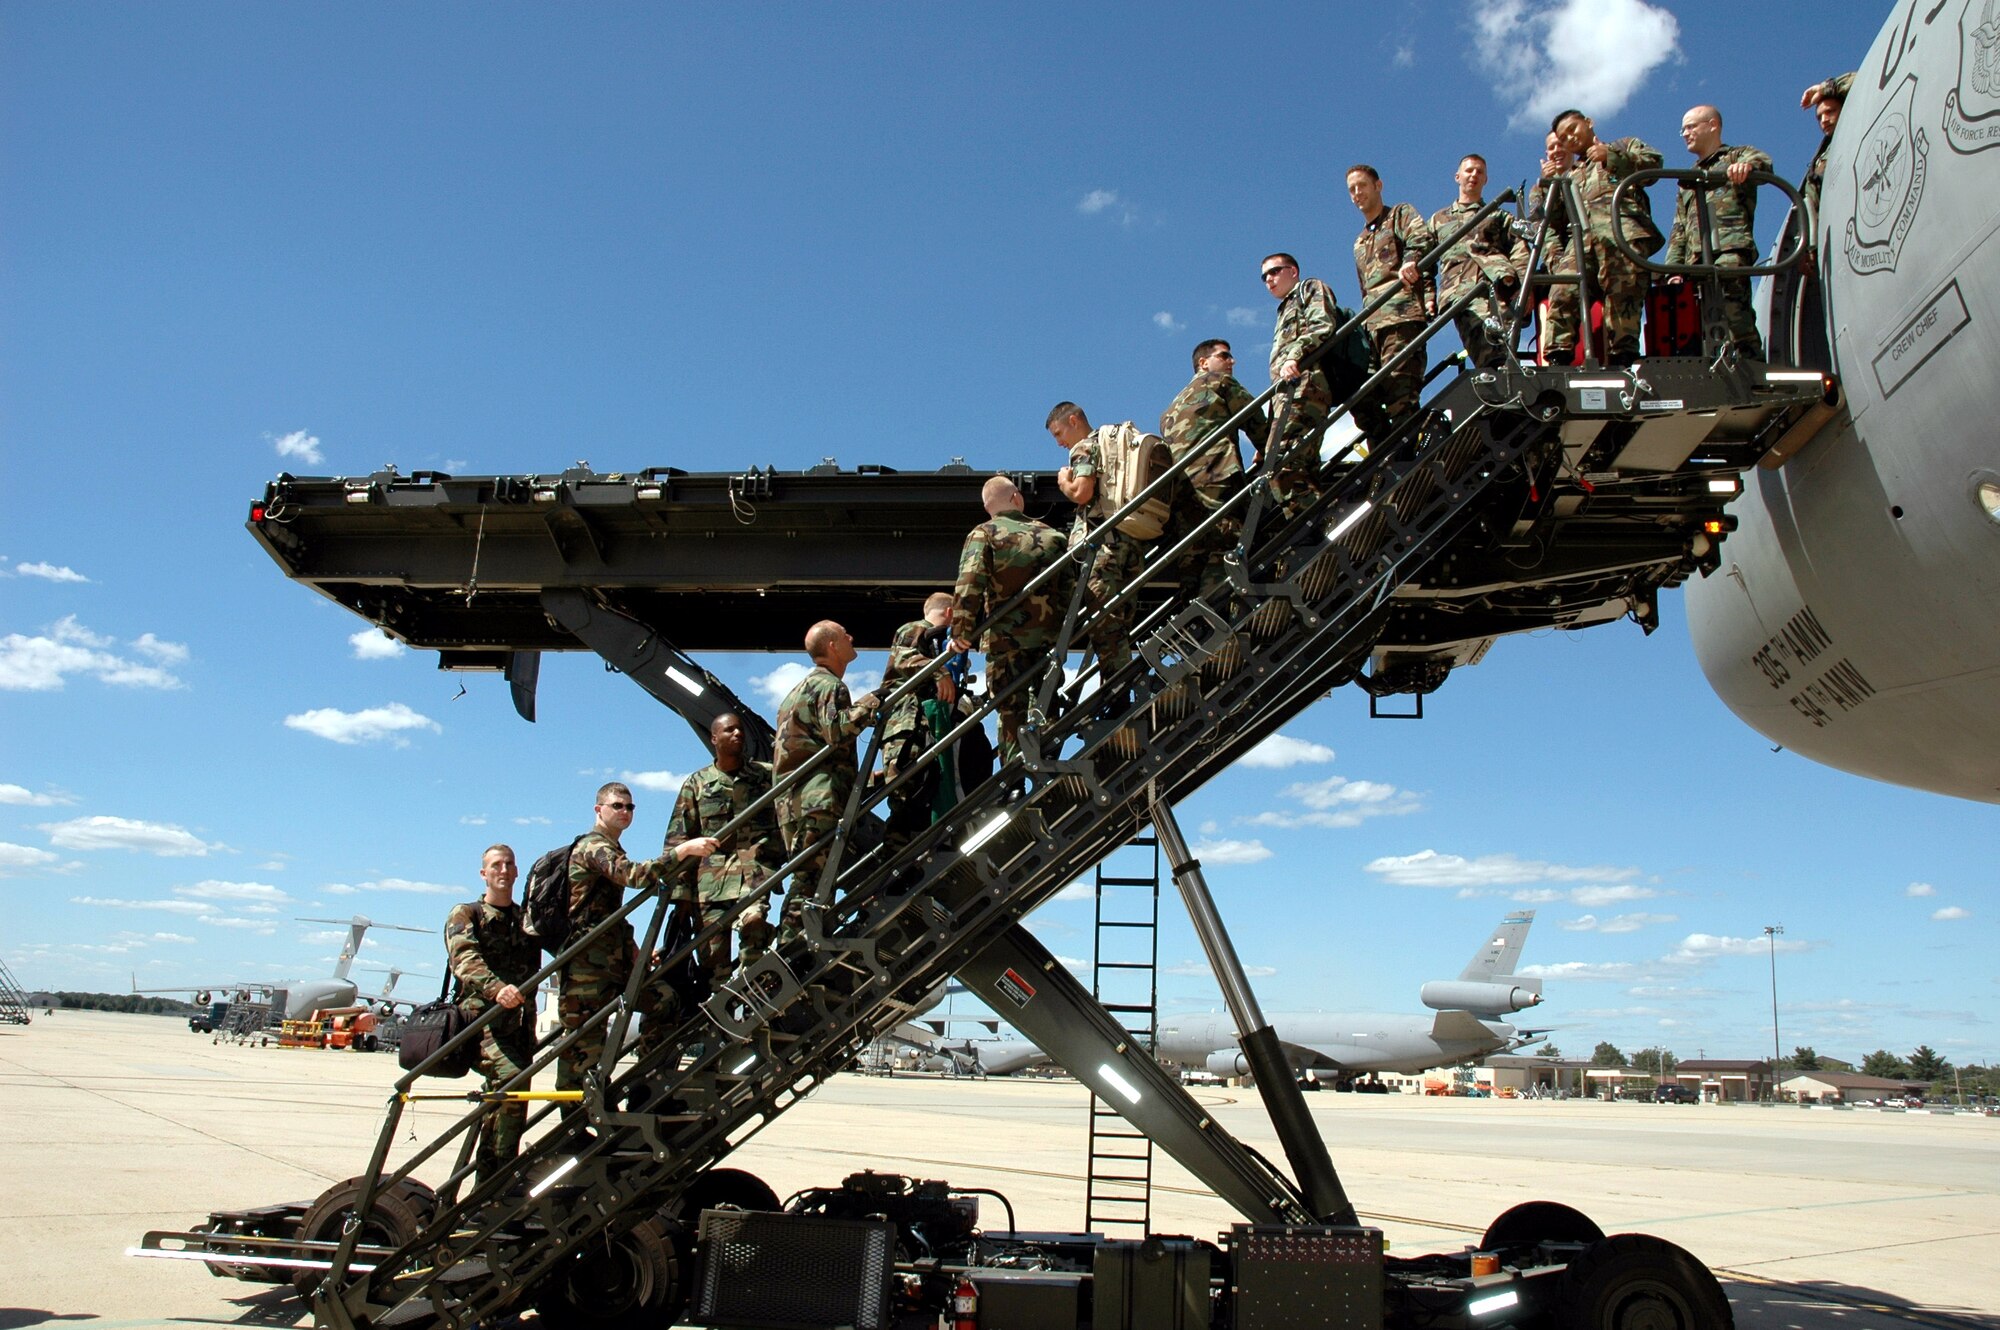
{"x":794,"y":1272}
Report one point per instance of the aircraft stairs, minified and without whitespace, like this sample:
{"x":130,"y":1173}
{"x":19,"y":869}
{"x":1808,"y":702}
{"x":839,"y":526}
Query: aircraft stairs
{"x":1311,"y":592}
{"x":1124,"y":978}
{"x":14,"y":1008}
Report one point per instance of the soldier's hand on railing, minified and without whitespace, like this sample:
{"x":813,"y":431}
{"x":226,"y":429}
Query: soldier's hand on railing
{"x":1738,"y":172}
{"x":699,"y":847}
{"x":508,"y":996}
{"x":1410,"y":275}
{"x":1289,"y":370}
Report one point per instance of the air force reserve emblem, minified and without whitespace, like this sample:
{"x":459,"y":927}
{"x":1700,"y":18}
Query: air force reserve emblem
{"x":1972,"y":109}
{"x":1888,"y":184}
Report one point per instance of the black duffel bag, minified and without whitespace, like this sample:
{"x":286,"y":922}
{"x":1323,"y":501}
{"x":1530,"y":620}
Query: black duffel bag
{"x":429,"y":1028}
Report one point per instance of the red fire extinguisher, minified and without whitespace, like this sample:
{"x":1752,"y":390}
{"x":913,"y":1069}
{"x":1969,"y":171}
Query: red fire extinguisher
{"x":963,"y":1314}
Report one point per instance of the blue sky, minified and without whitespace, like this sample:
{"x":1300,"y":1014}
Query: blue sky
{"x":240,"y":239}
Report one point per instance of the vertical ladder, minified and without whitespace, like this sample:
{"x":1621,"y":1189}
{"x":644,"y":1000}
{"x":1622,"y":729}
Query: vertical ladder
{"x":1124,"y":977}
{"x":13,"y":1002}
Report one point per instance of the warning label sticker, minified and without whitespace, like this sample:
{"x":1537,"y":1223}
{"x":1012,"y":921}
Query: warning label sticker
{"x":1019,"y":990}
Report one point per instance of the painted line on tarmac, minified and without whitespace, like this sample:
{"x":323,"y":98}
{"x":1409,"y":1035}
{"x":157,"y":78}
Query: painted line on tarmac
{"x":1810,"y":1294}
{"x":1821,"y":1205}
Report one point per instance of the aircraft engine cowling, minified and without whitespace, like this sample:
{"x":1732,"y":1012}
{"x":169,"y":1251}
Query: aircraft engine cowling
{"x":1460,"y":995}
{"x":1228,"y":1063}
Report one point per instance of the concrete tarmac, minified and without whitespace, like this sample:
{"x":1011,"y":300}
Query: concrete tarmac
{"x":114,"y":1125}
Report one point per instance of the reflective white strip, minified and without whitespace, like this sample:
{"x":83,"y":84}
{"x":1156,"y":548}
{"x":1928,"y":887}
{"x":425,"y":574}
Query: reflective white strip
{"x":985,"y":833}
{"x":1792,"y":376}
{"x":1598,"y":383}
{"x":1350,"y":520}
{"x":684,"y":681}
{"x":288,"y":1262}
{"x":550,"y":1180}
{"x":744,"y":1065}
{"x":1722,"y":487}
{"x":1118,"y":1083}
{"x":1492,"y":1302}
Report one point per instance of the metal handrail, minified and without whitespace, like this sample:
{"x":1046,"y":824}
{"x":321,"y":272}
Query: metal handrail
{"x":1705,"y":179}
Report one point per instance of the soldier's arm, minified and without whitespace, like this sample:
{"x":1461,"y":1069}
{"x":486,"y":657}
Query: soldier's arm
{"x":1255,"y":426}
{"x":462,"y":954}
{"x":969,"y":594}
{"x":1680,"y":243}
{"x":1838,"y":85}
{"x":1630,"y":154}
{"x":684,"y":826}
{"x":1316,"y":304}
{"x":610,"y":863}
{"x":1418,"y":234}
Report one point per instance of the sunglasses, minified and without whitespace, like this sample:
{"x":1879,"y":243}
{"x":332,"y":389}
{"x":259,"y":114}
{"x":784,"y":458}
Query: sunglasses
{"x":621,"y":808}
{"x":1269,"y":273}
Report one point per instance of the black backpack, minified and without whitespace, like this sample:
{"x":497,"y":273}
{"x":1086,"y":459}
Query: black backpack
{"x":429,"y":1028}
{"x":545,"y":902}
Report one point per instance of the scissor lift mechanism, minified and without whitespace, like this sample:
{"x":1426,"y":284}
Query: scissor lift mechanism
{"x":1617,"y":477}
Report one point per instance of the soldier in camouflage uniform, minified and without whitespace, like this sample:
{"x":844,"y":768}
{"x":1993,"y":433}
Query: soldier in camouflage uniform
{"x":1392,"y":239}
{"x":1492,"y":251}
{"x":1307,"y":320}
{"x":907,"y":730}
{"x":1732,"y":216}
{"x":816,"y":715}
{"x":491,"y":958}
{"x":1001,"y":556}
{"x":1825,"y":101}
{"x":1118,"y":558}
{"x":1616,"y":280}
{"x":599,"y":874}
{"x":1212,"y":397}
{"x":708,"y":801}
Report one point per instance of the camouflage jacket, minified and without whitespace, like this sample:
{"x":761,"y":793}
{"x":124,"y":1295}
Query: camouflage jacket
{"x":1306,"y":319}
{"x":907,"y":658}
{"x":599,"y":873}
{"x":1816,"y":173}
{"x":1492,"y":249}
{"x":1596,"y":182}
{"x":1732,"y":210}
{"x":817,"y":714}
{"x":709,"y":800}
{"x":486,"y":950}
{"x":1000,"y":557}
{"x":1211,"y":398}
{"x":1398,"y":234}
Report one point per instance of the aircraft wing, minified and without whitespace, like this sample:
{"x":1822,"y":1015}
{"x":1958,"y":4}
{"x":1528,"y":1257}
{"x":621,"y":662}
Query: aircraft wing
{"x":1459,"y":1027}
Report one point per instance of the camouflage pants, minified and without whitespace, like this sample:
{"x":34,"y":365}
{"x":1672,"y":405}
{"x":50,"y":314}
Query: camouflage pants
{"x":753,"y":931}
{"x":1200,"y":569}
{"x":593,"y":978}
{"x":1005,"y":664}
{"x":802,"y":829}
{"x":1114,"y":565}
{"x":506,"y":1048}
{"x":1736,"y":308}
{"x":1482,"y":347}
{"x":1396,"y":395}
{"x":1298,"y":419}
{"x":1621,"y":285}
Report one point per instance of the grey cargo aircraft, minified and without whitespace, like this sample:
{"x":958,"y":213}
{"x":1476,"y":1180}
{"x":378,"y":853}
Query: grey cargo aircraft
{"x":306,"y":996}
{"x":1342,"y":1047}
{"x":1856,"y":616}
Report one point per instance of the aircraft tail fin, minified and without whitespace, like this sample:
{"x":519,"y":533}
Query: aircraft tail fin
{"x":1496,"y":959}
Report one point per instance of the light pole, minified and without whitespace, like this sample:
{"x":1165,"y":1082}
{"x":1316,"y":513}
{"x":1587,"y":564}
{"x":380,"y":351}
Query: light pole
{"x":1773,"y":932}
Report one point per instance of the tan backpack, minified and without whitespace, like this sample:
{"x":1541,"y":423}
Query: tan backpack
{"x":1128,"y":460}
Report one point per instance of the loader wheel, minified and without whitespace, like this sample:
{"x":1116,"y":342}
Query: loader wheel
{"x":626,"y":1281}
{"x":724,"y":1188}
{"x":1638,"y":1282}
{"x":1540,"y":1221}
{"x":397,"y":1216}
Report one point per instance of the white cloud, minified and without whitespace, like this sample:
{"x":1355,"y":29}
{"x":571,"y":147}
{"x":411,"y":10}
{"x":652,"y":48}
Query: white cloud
{"x":1201,"y":970}
{"x":1428,"y":868}
{"x":124,"y":833}
{"x":1582,"y":971}
{"x":156,"y":648}
{"x":1543,"y":56}
{"x":862,"y":681}
{"x":473,"y":820}
{"x":1617,"y":923}
{"x":169,"y":937}
{"x":1231,"y":851}
{"x":1920,"y":889}
{"x":1951,"y":912}
{"x":23,"y":797}
{"x":1082,"y":889}
{"x":774,"y":686}
{"x":1337,"y":801}
{"x":402,"y":884}
{"x":1242,"y":316}
{"x":374,"y":644}
{"x":366,"y":726}
{"x":50,"y":572}
{"x":1708,"y":946}
{"x":1596,"y":897}
{"x":299,"y":446}
{"x":1405,"y":56}
{"x":532,"y":820}
{"x":262,"y":927}
{"x":24,"y":859}
{"x":43,"y":663}
{"x":660,"y":782}
{"x":212,"y":890}
{"x":1166,"y":322}
{"x":194,"y":908}
{"x":1097,"y":201}
{"x":1281,"y":750}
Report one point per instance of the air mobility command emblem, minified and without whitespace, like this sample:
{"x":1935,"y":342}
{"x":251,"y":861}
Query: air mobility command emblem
{"x":1889,"y":174}
{"x":1972,"y":109}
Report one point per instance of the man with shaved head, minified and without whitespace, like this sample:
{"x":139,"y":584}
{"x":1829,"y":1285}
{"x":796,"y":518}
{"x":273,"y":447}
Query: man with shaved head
{"x":1001,"y":556}
{"x":816,"y":716}
{"x":1732,"y":215}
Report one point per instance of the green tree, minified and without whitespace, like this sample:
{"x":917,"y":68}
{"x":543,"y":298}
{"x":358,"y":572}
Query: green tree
{"x":1659,"y":1061}
{"x":1607,"y":1055}
{"x":1549,"y":1050}
{"x":1885,"y":1064}
{"x":1804,"y":1059}
{"x":1926,"y":1065}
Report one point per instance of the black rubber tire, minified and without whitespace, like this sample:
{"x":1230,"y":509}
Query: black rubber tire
{"x":628,"y":1282}
{"x":1635,"y":1281}
{"x":1540,"y":1221}
{"x":397,"y":1216}
{"x":721,"y":1188}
